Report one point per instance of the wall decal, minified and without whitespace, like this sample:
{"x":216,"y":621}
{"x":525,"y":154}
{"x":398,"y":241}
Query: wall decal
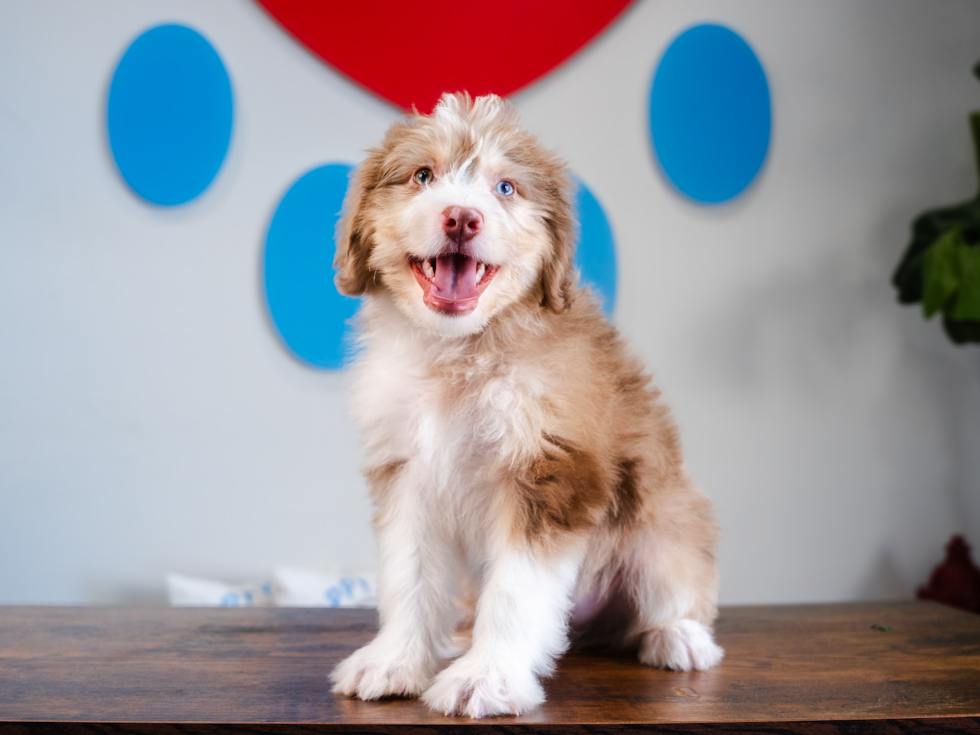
{"x":309,"y":313}
{"x":169,"y":114}
{"x":710,"y":113}
{"x":410,"y":53}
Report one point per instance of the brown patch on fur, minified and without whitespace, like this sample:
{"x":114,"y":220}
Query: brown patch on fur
{"x":354,"y":230}
{"x":557,"y":441}
{"x":558,"y":492}
{"x":633,"y":383}
{"x":556,"y":273}
{"x":381,"y":477}
{"x":626,"y":493}
{"x":557,"y":269}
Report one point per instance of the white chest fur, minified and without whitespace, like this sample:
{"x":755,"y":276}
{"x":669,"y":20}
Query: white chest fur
{"x":456,"y":420}
{"x":454,"y":415}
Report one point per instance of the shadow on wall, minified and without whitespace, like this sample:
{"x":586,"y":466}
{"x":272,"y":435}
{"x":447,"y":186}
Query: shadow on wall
{"x":830,"y":340}
{"x":896,"y":406}
{"x":884,"y":581}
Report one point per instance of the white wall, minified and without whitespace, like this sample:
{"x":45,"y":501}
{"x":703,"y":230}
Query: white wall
{"x":150,"y":422}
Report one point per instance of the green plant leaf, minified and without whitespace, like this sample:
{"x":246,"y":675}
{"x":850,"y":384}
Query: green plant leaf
{"x":961,"y":332}
{"x":940,"y":271}
{"x":927,"y":228}
{"x":967,"y":304}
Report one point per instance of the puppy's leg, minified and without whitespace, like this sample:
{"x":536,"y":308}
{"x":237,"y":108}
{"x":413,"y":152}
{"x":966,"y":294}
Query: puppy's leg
{"x":414,"y":603}
{"x":674,"y":582}
{"x":520,"y":627}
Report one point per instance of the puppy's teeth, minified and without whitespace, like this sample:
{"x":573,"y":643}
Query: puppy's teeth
{"x":480,"y":270}
{"x":429,"y":267}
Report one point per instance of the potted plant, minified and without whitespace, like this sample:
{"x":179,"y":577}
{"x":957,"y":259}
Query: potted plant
{"x":941,"y":266}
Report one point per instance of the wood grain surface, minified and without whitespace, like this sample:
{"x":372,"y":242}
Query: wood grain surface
{"x":785,"y":669}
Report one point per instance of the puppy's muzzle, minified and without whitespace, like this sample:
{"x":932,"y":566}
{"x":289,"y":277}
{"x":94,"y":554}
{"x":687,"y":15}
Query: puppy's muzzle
{"x":453,"y":281}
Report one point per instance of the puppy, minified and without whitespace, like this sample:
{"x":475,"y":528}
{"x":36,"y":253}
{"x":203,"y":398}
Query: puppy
{"x":514,"y":447}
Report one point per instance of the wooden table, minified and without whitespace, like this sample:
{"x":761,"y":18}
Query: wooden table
{"x":815,"y":669}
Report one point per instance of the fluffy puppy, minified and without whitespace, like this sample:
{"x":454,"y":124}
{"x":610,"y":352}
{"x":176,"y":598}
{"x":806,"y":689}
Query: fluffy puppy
{"x":514,"y":447}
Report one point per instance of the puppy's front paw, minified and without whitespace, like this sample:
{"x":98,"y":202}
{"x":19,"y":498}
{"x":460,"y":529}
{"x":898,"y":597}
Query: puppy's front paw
{"x":475,"y":687}
{"x":377,"y":671}
{"x":682,"y":645}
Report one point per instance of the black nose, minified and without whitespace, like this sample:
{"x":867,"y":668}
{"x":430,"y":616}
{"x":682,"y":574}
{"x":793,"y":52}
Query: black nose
{"x":461,"y":224}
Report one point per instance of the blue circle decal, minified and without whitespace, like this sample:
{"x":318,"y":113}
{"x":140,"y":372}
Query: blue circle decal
{"x":308,"y":312}
{"x":710,"y":113}
{"x":595,"y":256}
{"x":169,"y":114}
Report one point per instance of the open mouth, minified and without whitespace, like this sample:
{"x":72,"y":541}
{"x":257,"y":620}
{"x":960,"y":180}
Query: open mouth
{"x":452,"y":283}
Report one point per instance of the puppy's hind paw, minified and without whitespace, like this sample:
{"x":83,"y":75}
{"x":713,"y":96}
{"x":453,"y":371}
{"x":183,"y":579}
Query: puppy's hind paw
{"x":476,"y":688}
{"x":681,"y":645}
{"x":374,"y":672}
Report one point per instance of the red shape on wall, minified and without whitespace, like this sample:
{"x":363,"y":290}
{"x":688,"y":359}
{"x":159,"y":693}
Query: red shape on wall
{"x":410,"y":53}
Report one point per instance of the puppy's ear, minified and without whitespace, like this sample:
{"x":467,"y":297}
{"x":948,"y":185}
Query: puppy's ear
{"x":353,"y":234}
{"x":557,"y":273}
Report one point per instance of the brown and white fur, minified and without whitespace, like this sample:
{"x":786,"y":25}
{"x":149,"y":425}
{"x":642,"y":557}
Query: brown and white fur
{"x":515,"y":448}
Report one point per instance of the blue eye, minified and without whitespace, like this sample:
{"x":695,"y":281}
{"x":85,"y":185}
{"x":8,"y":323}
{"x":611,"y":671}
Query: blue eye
{"x":506,"y":188}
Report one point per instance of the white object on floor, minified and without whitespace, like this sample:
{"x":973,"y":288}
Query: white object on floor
{"x":194,"y":592}
{"x":293,"y":587}
{"x":290,"y":587}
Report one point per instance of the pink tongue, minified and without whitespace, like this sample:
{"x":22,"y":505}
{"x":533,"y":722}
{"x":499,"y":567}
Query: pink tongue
{"x":455,"y":278}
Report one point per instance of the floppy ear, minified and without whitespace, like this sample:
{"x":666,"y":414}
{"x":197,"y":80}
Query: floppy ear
{"x":353,"y":236}
{"x":557,"y":273}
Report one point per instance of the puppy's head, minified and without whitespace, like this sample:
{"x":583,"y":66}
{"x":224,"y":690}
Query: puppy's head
{"x":459,"y":214}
